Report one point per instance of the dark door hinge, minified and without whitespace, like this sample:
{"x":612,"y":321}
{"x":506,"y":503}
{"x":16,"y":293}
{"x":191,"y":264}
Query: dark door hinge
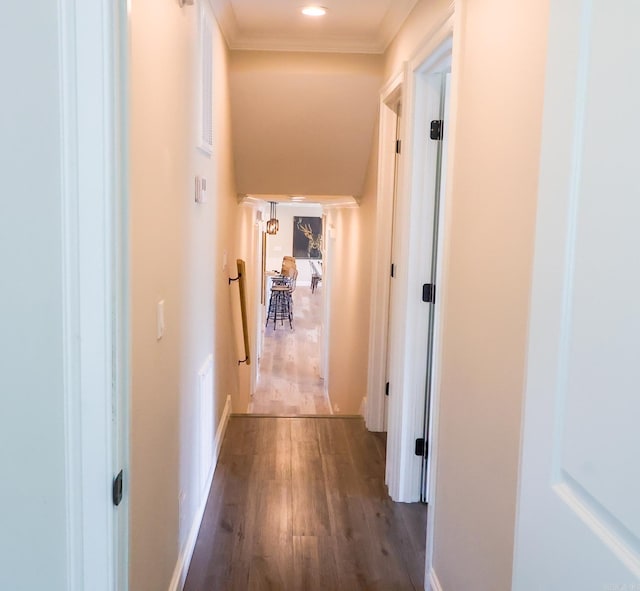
{"x":437,"y":129}
{"x":398,"y":146}
{"x":386,"y":389}
{"x":393,"y":270}
{"x":429,"y":293}
{"x":117,"y":489}
{"x":421,"y":447}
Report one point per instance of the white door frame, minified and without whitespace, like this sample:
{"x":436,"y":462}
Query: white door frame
{"x":376,"y":409}
{"x":453,"y":26}
{"x":92,"y":54}
{"x":408,"y":355}
{"x":258,"y":278}
{"x":256,"y":207}
{"x":326,"y":317}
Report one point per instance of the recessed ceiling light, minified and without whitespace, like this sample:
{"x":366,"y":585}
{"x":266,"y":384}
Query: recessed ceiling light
{"x":297,"y":198}
{"x":314,"y":11}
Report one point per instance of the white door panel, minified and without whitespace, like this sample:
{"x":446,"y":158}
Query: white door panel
{"x":579,"y":504}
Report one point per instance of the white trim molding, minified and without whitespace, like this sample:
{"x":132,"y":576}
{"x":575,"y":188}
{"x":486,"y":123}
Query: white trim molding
{"x":347,"y":203}
{"x":220,"y":432}
{"x":186,"y":554}
{"x":91,"y":168}
{"x":206,"y":77}
{"x":433,"y":583}
{"x":409,"y":316}
{"x":444,"y":252}
{"x":375,"y":410}
{"x":241,"y":39}
{"x":71,"y":294}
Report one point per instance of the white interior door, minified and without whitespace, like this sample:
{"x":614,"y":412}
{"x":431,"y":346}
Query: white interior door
{"x":397,"y":110}
{"x":578,"y":522}
{"x":443,"y":82}
{"x":414,"y":251}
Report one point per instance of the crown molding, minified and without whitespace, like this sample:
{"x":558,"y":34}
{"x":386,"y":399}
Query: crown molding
{"x":237,"y":39}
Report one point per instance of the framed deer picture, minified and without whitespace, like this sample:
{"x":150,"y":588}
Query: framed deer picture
{"x":307,"y":237}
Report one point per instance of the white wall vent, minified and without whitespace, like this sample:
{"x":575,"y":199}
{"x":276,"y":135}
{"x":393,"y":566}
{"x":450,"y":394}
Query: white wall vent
{"x":206,"y":81}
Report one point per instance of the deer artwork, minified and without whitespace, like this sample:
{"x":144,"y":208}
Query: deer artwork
{"x":315,"y":242}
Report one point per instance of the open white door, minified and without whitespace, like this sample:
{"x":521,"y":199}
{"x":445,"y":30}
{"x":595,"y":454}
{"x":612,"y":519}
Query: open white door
{"x":443,"y":83}
{"x":415,"y":253}
{"x":578,"y":524}
{"x":379,"y":322}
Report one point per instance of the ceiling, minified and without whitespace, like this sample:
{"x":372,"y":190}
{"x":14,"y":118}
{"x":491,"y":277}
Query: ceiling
{"x":308,"y":200}
{"x":350,"y":26}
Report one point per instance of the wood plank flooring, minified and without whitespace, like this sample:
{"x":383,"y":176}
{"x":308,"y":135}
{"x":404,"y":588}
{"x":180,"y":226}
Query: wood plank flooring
{"x":300,"y":504}
{"x":289,"y":380}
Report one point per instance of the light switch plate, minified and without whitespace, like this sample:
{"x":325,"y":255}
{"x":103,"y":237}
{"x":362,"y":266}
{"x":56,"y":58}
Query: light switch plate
{"x":201,"y":189}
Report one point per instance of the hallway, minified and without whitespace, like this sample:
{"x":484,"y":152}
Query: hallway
{"x":301,"y":504}
{"x":141,"y":140}
{"x":289,"y":380}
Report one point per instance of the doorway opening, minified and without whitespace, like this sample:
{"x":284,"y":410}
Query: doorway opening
{"x":290,"y":377}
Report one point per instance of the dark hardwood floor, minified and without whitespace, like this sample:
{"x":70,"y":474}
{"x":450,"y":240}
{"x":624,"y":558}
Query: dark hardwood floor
{"x":300,"y":504}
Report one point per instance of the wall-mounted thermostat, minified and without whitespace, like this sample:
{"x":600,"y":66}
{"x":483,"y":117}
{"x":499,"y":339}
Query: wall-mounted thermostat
{"x":201,"y":190}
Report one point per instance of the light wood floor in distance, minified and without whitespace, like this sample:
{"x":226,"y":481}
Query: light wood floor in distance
{"x":289,"y":382}
{"x":299,"y":504}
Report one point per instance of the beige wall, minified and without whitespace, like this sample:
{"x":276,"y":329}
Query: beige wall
{"x":177,"y":251}
{"x":348,"y":292}
{"x":425,"y":18}
{"x":349,"y":295}
{"x":303,"y":122}
{"x":492,"y":198}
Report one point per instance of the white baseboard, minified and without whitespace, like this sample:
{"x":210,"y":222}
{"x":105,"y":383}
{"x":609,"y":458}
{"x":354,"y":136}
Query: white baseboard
{"x":327,"y":398}
{"x":184,"y":560}
{"x":222,"y":428}
{"x":433,"y":583}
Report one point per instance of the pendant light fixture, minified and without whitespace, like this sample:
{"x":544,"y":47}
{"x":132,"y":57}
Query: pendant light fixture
{"x":273,"y":225}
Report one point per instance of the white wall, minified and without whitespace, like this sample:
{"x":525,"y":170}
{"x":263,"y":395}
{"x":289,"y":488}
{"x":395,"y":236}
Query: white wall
{"x":177,"y":252}
{"x":281,"y":244}
{"x":498,"y":81}
{"x":32,"y":493}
